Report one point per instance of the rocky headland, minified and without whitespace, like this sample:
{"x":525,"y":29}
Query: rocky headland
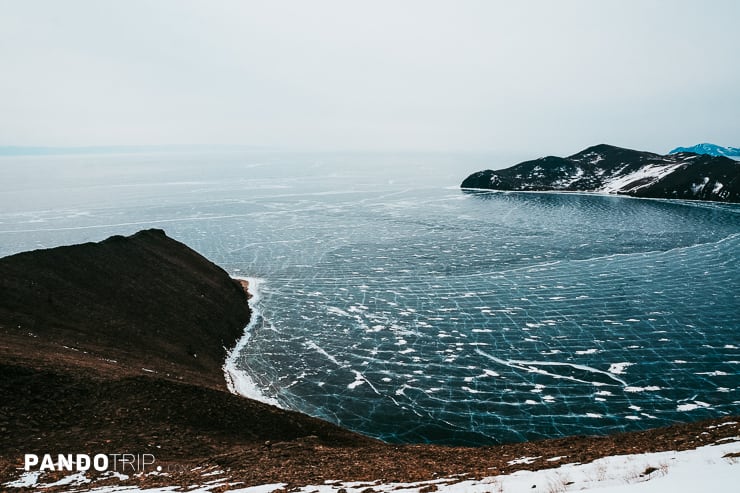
{"x":615,"y":170}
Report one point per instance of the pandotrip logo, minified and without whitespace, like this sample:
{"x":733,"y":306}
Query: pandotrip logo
{"x":120,"y":463}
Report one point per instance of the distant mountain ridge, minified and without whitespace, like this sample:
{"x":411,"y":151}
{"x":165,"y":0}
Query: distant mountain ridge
{"x":710,"y":149}
{"x":608,"y":169}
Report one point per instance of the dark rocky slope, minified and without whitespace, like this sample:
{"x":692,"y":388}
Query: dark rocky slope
{"x":609,"y":169}
{"x":163,"y":305}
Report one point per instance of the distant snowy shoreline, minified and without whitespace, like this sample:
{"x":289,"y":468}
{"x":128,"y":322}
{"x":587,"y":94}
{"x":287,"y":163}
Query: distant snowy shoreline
{"x":594,"y":194}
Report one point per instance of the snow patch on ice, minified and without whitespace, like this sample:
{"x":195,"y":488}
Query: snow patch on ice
{"x":337,"y":311}
{"x":588,"y":351}
{"x":690,"y":406}
{"x":649,"y":388}
{"x":619,"y":368}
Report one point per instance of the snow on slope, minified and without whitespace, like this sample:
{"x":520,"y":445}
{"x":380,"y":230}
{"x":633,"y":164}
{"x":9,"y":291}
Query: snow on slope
{"x":647,"y":175}
{"x":613,"y":170}
{"x":709,"y":468}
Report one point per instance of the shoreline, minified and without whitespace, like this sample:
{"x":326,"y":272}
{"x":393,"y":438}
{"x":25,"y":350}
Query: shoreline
{"x":594,"y":194}
{"x":239,"y":381}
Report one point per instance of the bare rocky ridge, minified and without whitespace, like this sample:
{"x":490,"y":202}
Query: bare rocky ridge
{"x":609,"y":169}
{"x":147,"y":298}
{"x":118,"y":346}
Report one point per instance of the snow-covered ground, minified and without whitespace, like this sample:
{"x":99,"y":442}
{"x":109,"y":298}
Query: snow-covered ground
{"x":709,"y":468}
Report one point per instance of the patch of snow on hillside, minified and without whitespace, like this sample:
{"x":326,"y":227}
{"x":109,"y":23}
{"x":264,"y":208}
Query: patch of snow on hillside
{"x":597,"y":159}
{"x":648,"y":175}
{"x":698,"y":187}
{"x":27,"y":480}
{"x":591,"y":158}
{"x":566,"y":182}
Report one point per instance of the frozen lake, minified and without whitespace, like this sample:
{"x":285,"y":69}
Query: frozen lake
{"x":397,"y":305}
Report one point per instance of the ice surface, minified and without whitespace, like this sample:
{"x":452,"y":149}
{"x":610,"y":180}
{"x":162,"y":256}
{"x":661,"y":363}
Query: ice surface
{"x":410,"y":286}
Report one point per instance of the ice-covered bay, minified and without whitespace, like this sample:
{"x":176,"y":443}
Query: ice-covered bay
{"x":397,"y":305}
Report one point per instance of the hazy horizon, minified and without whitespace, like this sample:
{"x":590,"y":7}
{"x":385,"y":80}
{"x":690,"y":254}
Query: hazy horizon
{"x":12,"y":150}
{"x":535,"y":78}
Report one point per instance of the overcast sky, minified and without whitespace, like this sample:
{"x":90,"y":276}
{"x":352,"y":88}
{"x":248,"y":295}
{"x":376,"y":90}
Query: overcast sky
{"x":548,"y":77}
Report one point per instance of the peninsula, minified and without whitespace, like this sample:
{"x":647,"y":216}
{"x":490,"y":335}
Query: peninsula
{"x":615,"y":170}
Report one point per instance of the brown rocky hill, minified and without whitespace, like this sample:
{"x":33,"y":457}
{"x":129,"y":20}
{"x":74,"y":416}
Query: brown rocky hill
{"x":156,"y":301}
